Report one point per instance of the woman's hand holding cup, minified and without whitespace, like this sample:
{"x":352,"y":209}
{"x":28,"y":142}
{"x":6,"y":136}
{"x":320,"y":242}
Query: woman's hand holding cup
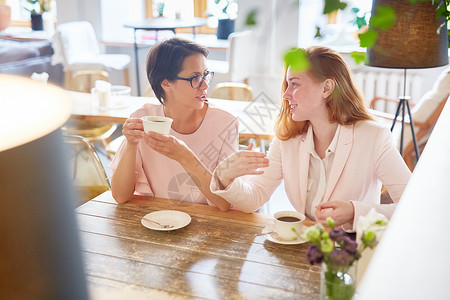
{"x":133,"y":130}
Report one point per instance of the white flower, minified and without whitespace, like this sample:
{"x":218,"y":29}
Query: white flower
{"x":373,"y":221}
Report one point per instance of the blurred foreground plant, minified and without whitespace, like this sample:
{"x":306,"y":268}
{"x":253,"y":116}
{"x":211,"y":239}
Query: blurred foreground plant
{"x":338,"y":252}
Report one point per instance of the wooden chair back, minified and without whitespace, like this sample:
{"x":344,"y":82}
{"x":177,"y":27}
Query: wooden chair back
{"x":422,"y":131}
{"x":232,"y":91}
{"x":88,"y":175}
{"x":84,"y":81}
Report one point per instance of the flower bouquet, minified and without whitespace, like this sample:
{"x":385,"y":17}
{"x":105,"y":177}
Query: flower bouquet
{"x":337,"y":253}
{"x":38,"y":7}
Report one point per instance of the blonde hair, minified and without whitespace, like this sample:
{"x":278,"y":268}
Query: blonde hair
{"x":345,"y":104}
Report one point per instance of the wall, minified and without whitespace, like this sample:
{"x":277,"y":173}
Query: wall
{"x":89,"y":10}
{"x":276,"y":31}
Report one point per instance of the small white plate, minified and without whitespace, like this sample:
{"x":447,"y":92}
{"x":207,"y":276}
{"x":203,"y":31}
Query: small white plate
{"x":114,"y":106}
{"x":176,"y":218}
{"x":272,"y":236}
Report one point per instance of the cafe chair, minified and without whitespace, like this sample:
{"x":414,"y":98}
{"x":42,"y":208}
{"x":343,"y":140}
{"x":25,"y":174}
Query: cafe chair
{"x":237,"y":66}
{"x":232,"y":91}
{"x":239,"y":92}
{"x":93,"y":131}
{"x":424,"y":115}
{"x":83,"y":81}
{"x":88,"y":175}
{"x":76,"y":47}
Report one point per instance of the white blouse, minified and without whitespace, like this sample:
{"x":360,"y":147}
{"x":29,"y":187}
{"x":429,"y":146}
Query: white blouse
{"x":319,"y":171}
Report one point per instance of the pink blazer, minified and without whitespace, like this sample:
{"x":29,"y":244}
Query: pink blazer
{"x":365,"y":158}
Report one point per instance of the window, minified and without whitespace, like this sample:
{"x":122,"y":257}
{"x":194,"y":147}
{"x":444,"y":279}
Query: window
{"x":188,"y":9}
{"x":20,"y":16}
{"x":180,"y":9}
{"x":336,"y":29}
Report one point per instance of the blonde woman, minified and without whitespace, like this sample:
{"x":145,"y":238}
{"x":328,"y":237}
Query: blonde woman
{"x":331,"y":154}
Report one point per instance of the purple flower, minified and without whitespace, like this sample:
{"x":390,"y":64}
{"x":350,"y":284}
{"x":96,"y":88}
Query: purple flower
{"x":337,"y":235}
{"x":340,"y":257}
{"x":349,"y":245}
{"x":313,"y":255}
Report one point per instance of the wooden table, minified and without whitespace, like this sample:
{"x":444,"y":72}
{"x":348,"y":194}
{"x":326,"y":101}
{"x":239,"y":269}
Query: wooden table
{"x":157,"y":24}
{"x":256,"y":119}
{"x":25,"y":34}
{"x":219,"y":255}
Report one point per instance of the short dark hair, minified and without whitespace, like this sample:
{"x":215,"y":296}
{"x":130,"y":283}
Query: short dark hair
{"x":165,"y":60}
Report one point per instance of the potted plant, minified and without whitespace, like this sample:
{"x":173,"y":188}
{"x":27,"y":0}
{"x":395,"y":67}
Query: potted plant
{"x":36,"y":9}
{"x":338,"y":254}
{"x":225,"y":11}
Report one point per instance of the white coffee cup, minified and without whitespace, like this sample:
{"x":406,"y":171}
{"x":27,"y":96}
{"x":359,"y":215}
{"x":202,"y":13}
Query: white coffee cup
{"x":289,"y":224}
{"x":157,"y":124}
{"x":102,"y":93}
{"x":40,"y":77}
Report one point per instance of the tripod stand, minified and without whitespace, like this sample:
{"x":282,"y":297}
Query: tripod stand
{"x":404,"y":102}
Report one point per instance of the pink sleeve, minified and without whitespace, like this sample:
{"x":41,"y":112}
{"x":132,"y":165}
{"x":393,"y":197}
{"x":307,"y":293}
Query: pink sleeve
{"x":142,"y":186}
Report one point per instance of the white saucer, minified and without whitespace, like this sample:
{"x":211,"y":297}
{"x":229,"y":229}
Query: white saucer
{"x":114,"y":106}
{"x":272,"y":236}
{"x":176,"y":218}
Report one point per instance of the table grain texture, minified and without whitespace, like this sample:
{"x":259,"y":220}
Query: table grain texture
{"x":219,"y":255}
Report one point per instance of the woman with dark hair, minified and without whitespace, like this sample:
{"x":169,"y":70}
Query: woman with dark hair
{"x":332,"y":156}
{"x":179,"y":165}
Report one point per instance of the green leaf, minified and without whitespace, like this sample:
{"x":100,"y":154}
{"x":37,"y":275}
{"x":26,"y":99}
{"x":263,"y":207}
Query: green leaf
{"x":384,"y":18}
{"x":326,"y":246}
{"x":441,"y":11}
{"x":313,"y":233}
{"x":318,"y":34}
{"x":360,"y":22}
{"x":250,"y":20}
{"x":381,"y":222}
{"x":330,"y":222}
{"x":332,"y":5}
{"x":369,"y":239}
{"x":368,"y":38}
{"x":297,"y":59}
{"x":358,"y":57}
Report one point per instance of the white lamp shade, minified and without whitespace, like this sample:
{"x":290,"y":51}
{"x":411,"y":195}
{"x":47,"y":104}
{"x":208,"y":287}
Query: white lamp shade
{"x":29,"y":110}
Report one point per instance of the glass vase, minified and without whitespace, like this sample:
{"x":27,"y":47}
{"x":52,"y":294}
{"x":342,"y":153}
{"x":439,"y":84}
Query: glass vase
{"x":337,"y":282}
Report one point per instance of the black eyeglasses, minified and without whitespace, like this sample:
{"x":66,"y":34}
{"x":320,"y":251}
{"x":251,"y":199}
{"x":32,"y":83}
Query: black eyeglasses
{"x":196,"y":81}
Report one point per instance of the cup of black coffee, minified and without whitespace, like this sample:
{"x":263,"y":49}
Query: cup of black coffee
{"x":289,"y":224}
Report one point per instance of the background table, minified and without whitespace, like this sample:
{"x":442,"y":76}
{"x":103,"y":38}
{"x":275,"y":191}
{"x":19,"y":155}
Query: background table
{"x":219,"y":255}
{"x":158,"y":24}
